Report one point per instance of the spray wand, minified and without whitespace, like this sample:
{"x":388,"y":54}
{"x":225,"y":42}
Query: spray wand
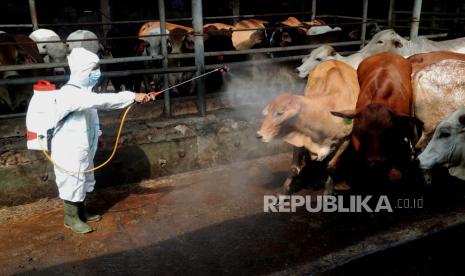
{"x":221,"y":69}
{"x":152,"y":96}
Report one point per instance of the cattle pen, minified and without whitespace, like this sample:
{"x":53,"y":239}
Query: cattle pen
{"x":186,"y":191}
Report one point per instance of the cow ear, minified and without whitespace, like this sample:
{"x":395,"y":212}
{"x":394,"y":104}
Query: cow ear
{"x":410,"y":120}
{"x":412,"y":126}
{"x":265,"y":111}
{"x":346,"y":114}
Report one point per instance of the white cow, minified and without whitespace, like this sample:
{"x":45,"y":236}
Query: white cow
{"x":323,"y":53}
{"x":390,"y":41}
{"x":53,"y":51}
{"x":384,"y":41}
{"x":318,"y":30}
{"x":446,"y":148}
{"x":91,"y":45}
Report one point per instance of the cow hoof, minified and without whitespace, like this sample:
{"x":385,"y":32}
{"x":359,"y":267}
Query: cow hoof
{"x":327,"y":192}
{"x":427,"y":178}
{"x":342,"y":186}
{"x":295,"y":169}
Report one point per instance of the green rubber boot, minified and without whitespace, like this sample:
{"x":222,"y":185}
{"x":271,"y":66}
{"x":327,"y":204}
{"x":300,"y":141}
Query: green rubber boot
{"x":86,"y":216}
{"x":72,"y":219}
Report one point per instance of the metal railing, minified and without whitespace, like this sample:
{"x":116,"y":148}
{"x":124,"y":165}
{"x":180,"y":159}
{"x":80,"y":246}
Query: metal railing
{"x":199,"y":56}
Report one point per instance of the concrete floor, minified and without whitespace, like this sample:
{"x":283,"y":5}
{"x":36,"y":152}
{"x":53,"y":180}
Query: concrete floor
{"x":197,"y":223}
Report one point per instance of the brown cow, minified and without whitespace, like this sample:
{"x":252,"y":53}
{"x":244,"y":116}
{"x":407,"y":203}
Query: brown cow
{"x":16,"y":50}
{"x":382,"y":120}
{"x":248,"y":33}
{"x":305,"y":121}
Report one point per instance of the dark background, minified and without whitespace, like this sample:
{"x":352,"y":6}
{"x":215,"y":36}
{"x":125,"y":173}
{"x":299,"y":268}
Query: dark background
{"x":67,"y":11}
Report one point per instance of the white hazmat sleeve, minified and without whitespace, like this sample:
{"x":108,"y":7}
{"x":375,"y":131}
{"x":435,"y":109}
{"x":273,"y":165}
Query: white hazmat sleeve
{"x":79,"y":100}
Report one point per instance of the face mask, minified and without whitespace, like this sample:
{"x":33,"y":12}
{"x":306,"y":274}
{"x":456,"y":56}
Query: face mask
{"x":94,"y":77}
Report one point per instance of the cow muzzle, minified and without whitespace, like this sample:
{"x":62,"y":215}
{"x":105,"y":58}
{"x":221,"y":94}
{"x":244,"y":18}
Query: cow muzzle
{"x":262,"y":138}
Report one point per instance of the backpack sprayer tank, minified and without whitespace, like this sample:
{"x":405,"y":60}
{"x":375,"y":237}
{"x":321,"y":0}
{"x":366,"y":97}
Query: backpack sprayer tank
{"x":40,"y":117}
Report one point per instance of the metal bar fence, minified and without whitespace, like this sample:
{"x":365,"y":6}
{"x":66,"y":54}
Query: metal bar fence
{"x":165,"y":56}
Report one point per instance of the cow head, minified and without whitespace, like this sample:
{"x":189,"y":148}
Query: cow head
{"x":55,"y":52}
{"x":217,"y":40}
{"x":182,"y":41}
{"x":447,"y":147}
{"x":278,"y":116}
{"x":318,"y":55}
{"x":8,"y":55}
{"x":385,"y":41}
{"x":379,"y":134}
{"x":372,"y":29}
{"x":279,"y":35}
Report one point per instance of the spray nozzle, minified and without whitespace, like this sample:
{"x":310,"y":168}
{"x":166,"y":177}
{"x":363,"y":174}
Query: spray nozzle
{"x":223,"y":69}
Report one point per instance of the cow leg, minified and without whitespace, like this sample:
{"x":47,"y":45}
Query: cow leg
{"x":332,"y":166}
{"x":296,"y":167}
{"x":333,"y":163}
{"x":148,"y":88}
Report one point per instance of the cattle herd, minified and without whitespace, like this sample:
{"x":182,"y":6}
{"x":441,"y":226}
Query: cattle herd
{"x":396,"y":107}
{"x":44,"y":45}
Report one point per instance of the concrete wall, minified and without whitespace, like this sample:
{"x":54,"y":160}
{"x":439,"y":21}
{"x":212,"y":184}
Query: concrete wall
{"x":150,"y":147}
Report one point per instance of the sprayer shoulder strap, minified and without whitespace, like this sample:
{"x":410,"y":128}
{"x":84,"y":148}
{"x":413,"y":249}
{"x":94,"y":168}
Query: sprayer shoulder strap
{"x":62,"y":121}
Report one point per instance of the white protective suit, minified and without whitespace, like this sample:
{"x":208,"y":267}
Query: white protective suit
{"x":75,"y":142}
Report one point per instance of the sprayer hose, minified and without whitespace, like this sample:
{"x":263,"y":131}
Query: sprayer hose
{"x":115,"y":147}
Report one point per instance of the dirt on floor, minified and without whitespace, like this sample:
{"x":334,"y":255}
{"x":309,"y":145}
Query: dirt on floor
{"x":203,"y":222}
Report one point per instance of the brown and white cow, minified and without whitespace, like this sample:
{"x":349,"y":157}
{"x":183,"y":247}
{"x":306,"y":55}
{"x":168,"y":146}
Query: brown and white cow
{"x":420,"y":61}
{"x":439,"y":89}
{"x":243,"y":38}
{"x":382,"y":121}
{"x":150,"y":32}
{"x":306,"y":121}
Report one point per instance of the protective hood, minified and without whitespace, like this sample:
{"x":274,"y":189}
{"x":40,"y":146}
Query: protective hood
{"x":81,"y":62}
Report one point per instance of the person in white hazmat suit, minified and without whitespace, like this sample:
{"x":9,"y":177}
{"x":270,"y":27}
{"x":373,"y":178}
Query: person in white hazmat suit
{"x":76,"y":136}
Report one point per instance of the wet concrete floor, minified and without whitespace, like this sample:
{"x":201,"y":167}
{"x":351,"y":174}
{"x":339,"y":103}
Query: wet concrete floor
{"x":204,"y":222}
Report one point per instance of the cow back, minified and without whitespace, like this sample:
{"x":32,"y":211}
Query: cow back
{"x":385,"y":79}
{"x":333,"y":77}
{"x":420,"y":61}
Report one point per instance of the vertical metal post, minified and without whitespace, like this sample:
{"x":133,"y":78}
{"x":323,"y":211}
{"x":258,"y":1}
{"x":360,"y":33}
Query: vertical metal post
{"x":236,"y":10}
{"x":313,"y":9}
{"x":392,"y":3}
{"x":363,"y":32}
{"x":32,"y":9}
{"x":164,"y":52}
{"x":105,"y":16}
{"x":415,"y":19}
{"x":197,"y":23}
